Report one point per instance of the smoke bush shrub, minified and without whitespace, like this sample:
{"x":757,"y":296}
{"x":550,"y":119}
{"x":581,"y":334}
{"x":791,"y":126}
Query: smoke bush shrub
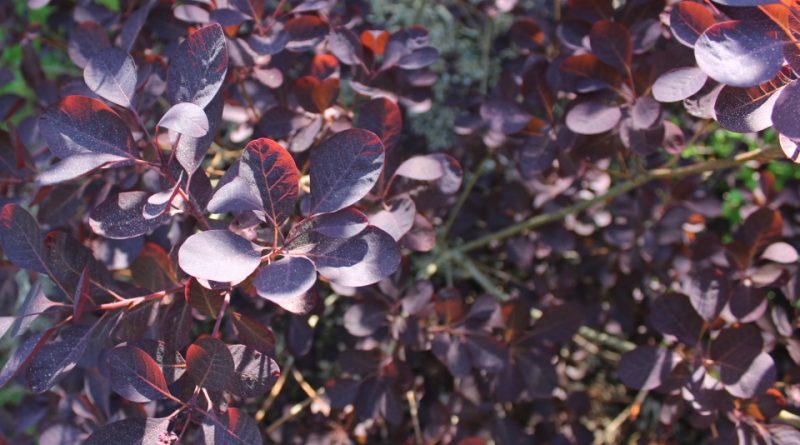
{"x":215,"y":227}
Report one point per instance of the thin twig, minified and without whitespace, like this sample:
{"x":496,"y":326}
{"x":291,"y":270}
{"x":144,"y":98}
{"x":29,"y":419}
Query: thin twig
{"x":611,"y":431}
{"x":414,"y":409}
{"x":276,"y":390}
{"x":764,"y":154}
{"x":462,"y":198}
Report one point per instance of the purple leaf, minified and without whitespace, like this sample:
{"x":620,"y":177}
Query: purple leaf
{"x":21,"y":356}
{"x":673,"y":314}
{"x":740,"y":53}
{"x":234,"y":427}
{"x":747,"y":304}
{"x":780,"y":252}
{"x":190,"y":151}
{"x":751,"y":381}
{"x":21,"y":240}
{"x":344,"y":168}
{"x":342,"y":224}
{"x":364,"y":319}
{"x":185,"y":118}
{"x":254,"y":373}
{"x":135,"y":375}
{"x":745,"y":110}
{"x":57,"y":358}
{"x":34,"y":305}
{"x":396,"y":217}
{"x":198,"y":68}
{"x":273,"y":42}
{"x":209,"y":363}
{"x":439,"y":167}
{"x":265,"y":179}
{"x":678,"y":84}
{"x":219,"y":255}
{"x":419,"y":58}
{"x":504,"y":116}
{"x":85,"y":41}
{"x":85,"y":125}
{"x":592,"y":117}
{"x":134,"y":431}
{"x":708,"y":292}
{"x":78,"y":165}
{"x":344,"y":44}
{"x":646,"y":367}
{"x":787,"y":106}
{"x":133,"y":25}
{"x":734,"y":351}
{"x":305,"y":32}
{"x":285,"y":283}
{"x":121,"y":216}
{"x":158,"y":203}
{"x":111,"y":74}
{"x":366,"y":258}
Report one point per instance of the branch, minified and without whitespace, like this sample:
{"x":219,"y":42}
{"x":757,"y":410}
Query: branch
{"x":764,"y":154}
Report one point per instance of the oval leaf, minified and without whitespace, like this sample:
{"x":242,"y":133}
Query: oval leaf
{"x":134,"y":431}
{"x":285,"y":283}
{"x":689,"y":20}
{"x":740,"y":53}
{"x":366,"y":258}
{"x":121,"y":216}
{"x":265,"y":178}
{"x":678,"y":84}
{"x":646,"y":367}
{"x":219,"y":255}
{"x":198,"y":68}
{"x":254,"y":372}
{"x":209,"y":363}
{"x":85,"y":125}
{"x":344,"y":169}
{"x":186,"y":118}
{"x":21,"y":240}
{"x":111,"y":74}
{"x":135,"y":375}
{"x":592,"y":117}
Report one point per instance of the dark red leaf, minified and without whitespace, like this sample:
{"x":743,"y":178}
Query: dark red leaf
{"x":317,"y":95}
{"x":253,"y":334}
{"x":209,"y":363}
{"x":57,"y":358}
{"x":382,"y":117}
{"x":611,"y":43}
{"x":305,"y":32}
{"x":85,"y":41}
{"x":264,"y":179}
{"x":234,"y":427}
{"x":84,"y":125}
{"x":689,"y":20}
{"x":745,"y":110}
{"x":22,"y":355}
{"x":135,"y":375}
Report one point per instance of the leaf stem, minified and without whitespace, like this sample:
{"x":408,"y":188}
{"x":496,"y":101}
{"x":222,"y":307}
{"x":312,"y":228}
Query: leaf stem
{"x":462,"y":198}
